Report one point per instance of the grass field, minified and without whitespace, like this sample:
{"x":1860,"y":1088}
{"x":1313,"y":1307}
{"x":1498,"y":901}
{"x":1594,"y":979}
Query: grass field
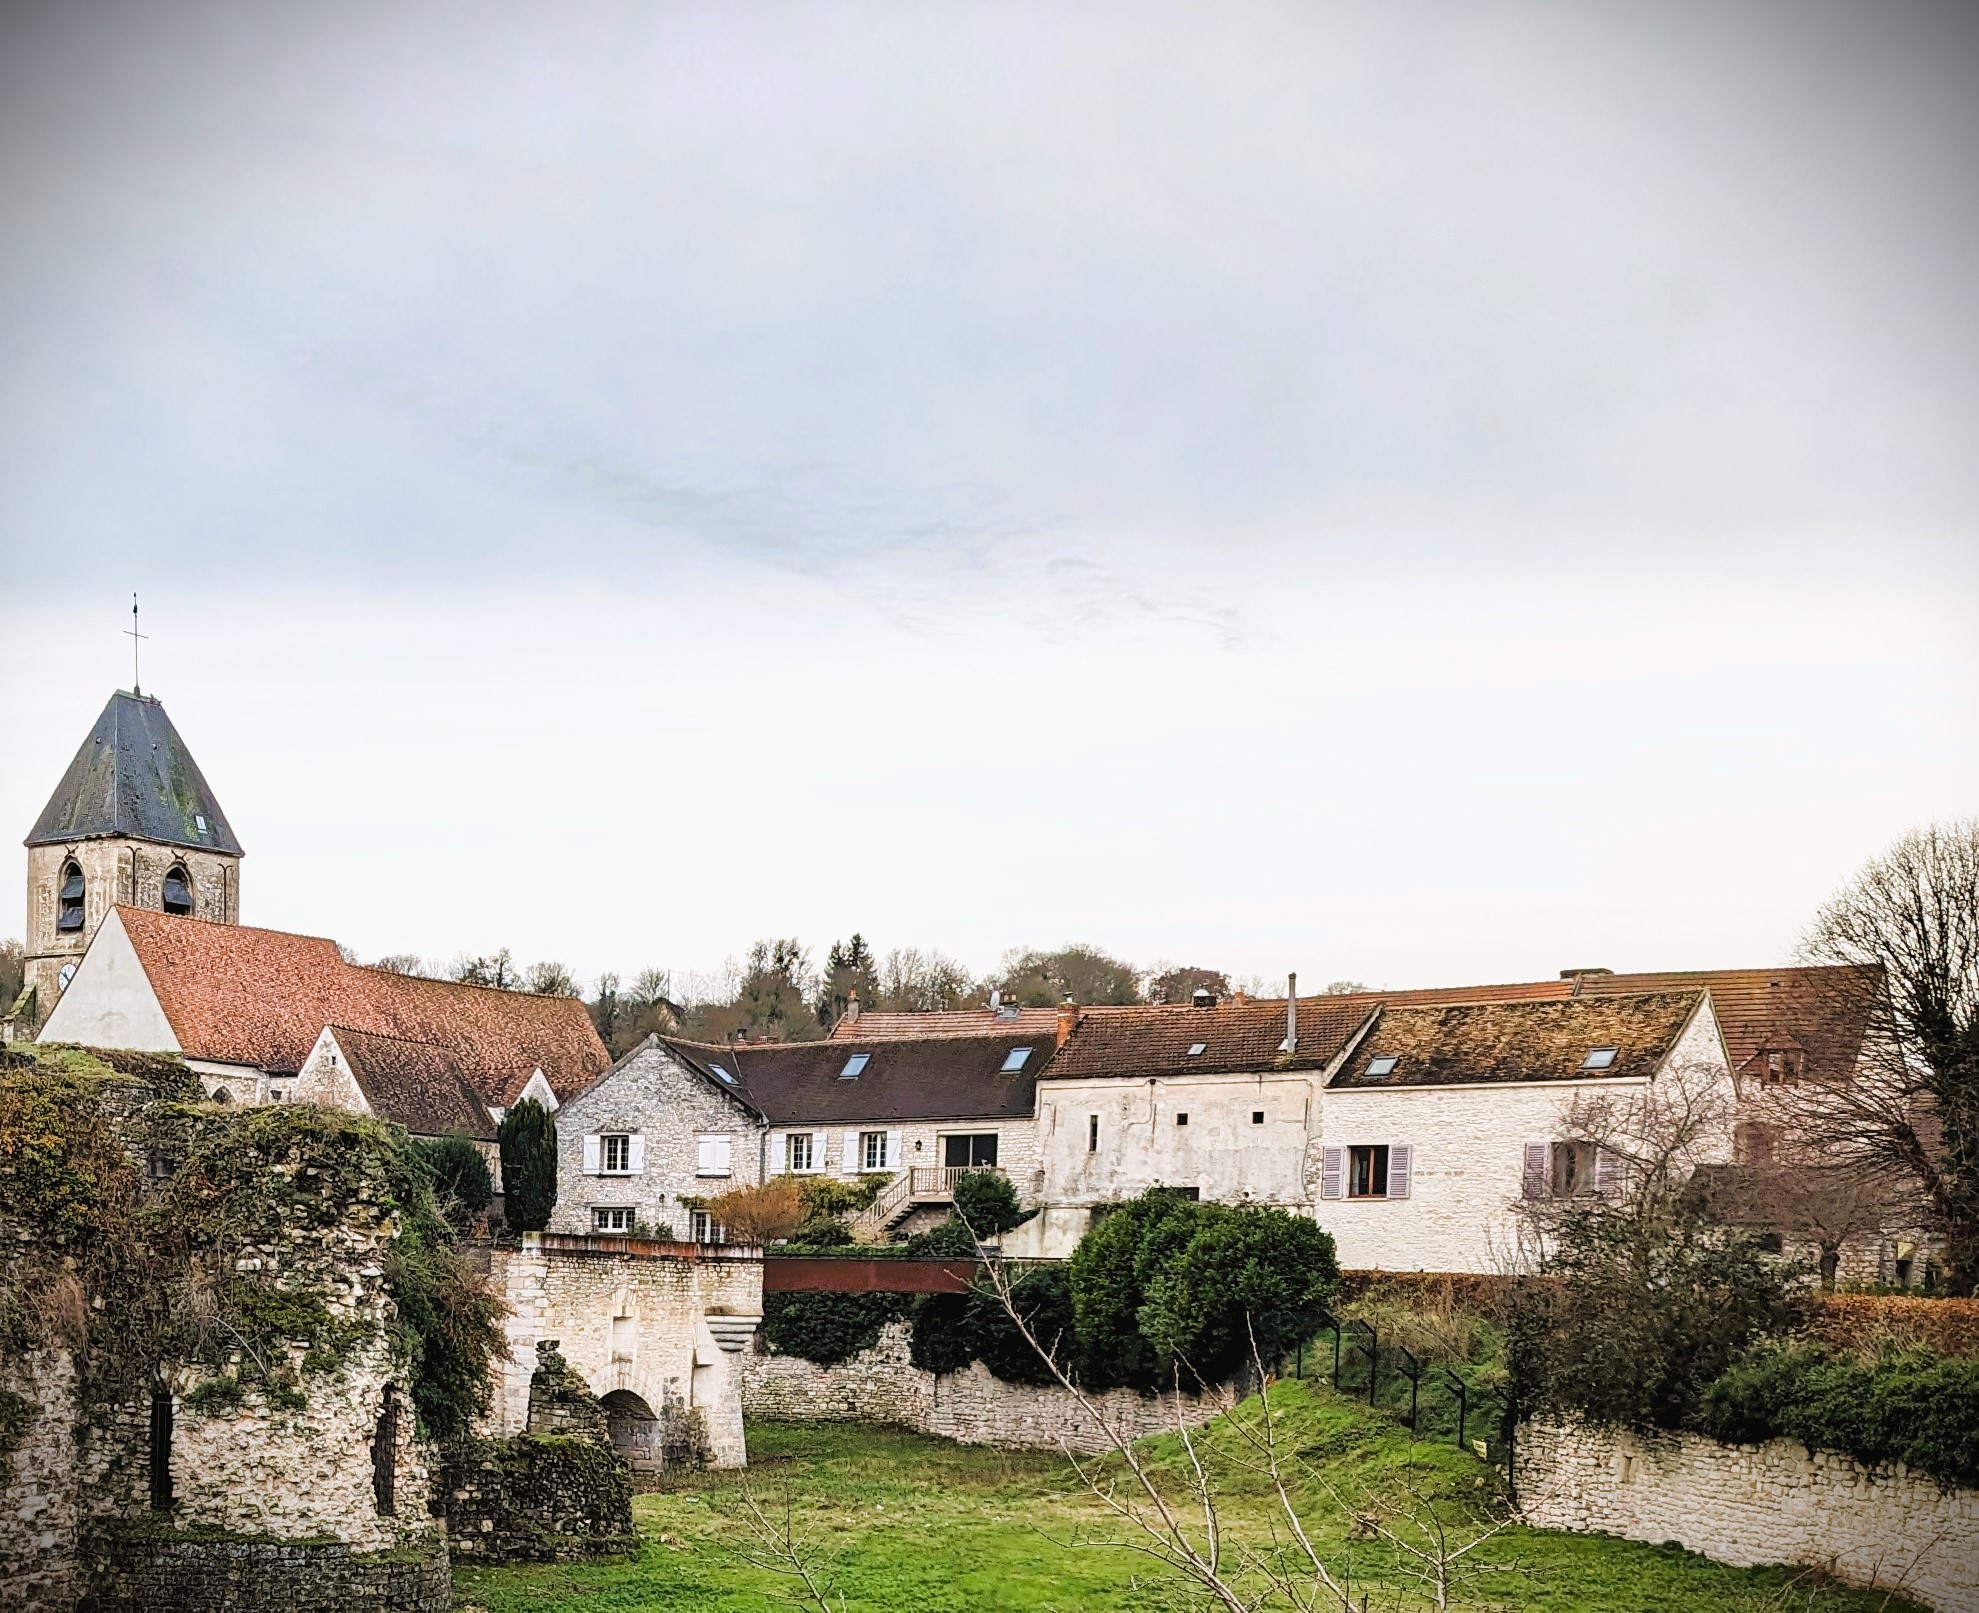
{"x":906,"y":1524}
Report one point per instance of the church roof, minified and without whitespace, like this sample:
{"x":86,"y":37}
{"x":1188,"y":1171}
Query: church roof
{"x":135,"y":779}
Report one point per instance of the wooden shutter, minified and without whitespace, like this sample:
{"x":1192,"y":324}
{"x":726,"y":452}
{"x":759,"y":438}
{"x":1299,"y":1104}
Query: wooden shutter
{"x":635,"y":1151}
{"x":1399,"y":1161}
{"x":722,"y":1165}
{"x":893,"y":1150}
{"x":1538,"y":1181}
{"x":1332,"y":1164}
{"x":591,"y":1155}
{"x":779,"y":1153}
{"x":1610,"y":1170}
{"x":851,"y":1141}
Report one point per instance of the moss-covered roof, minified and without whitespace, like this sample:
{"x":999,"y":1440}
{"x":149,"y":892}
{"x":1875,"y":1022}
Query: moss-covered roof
{"x":135,"y":779}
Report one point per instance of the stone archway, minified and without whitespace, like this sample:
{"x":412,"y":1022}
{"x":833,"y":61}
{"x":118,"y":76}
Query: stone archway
{"x":634,"y":1429}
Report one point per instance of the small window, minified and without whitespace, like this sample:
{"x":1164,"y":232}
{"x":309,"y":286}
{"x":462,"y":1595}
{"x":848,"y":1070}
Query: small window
{"x":177,"y":895}
{"x":612,"y":1218}
{"x":1573,"y":1169}
{"x":722,"y":1074}
{"x":1598,"y":1058}
{"x":854,"y":1065}
{"x":1257,"y":1117}
{"x":69,"y":909}
{"x":797,"y":1151}
{"x":711,"y":1156}
{"x":199,"y":821}
{"x":704,"y":1228}
{"x":615,"y":1154}
{"x":1384,"y":1065}
{"x":1197,"y":1049}
{"x":1092,"y":1134}
{"x":1181,"y":1117}
{"x":1367,"y":1171}
{"x":872,"y":1150}
{"x":1013,"y":1061}
{"x":158,"y":1166}
{"x":161,"y":1450}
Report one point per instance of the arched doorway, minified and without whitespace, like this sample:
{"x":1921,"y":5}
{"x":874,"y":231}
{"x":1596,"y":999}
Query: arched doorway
{"x":634,"y":1430}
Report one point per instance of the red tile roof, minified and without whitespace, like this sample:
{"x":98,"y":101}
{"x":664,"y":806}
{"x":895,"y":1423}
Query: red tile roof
{"x":426,"y":1089}
{"x":1234,"y":1036}
{"x":886,"y":1027}
{"x":245,"y":996}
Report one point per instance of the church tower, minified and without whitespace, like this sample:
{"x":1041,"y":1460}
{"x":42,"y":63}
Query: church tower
{"x":134,"y":824}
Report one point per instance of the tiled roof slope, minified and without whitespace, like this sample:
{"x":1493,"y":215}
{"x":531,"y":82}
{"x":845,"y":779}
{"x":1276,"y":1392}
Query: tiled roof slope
{"x":884,"y":1027}
{"x":246,"y":996}
{"x":1235,"y":1036}
{"x":1453,"y":1044}
{"x":933,"y":1078}
{"x":1823,"y":1010}
{"x":415,"y":1084}
{"x":134,"y":777}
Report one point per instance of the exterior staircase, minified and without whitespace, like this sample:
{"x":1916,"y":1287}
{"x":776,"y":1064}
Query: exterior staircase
{"x":914,"y":1187}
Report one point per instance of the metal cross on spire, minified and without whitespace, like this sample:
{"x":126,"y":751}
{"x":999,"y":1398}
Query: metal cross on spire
{"x":134,"y":635}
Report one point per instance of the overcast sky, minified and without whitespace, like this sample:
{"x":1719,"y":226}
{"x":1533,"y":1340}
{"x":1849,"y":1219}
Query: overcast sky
{"x":1420,"y":493}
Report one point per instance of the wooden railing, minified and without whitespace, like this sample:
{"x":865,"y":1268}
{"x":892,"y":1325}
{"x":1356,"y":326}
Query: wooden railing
{"x":936,"y":1183}
{"x":918,"y":1184}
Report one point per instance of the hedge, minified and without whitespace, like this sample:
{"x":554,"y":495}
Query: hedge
{"x":1875,"y":1322}
{"x":1917,"y":1408}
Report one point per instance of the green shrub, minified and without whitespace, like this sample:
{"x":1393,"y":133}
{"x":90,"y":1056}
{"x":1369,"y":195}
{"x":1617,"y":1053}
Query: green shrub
{"x":458,"y":1176}
{"x":1043,"y":1297}
{"x":987,"y":1203}
{"x":1916,"y":1407}
{"x":820,"y":1233}
{"x":942,"y":1338}
{"x":829,"y":1327}
{"x":1110,"y":1269}
{"x":527,"y":1137}
{"x":951,"y":1240}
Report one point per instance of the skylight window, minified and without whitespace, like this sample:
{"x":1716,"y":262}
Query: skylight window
{"x":853,"y":1066}
{"x":1013,"y":1061}
{"x":722,"y":1074}
{"x":1196,"y":1049}
{"x":1384,"y":1065}
{"x":1598,"y":1058}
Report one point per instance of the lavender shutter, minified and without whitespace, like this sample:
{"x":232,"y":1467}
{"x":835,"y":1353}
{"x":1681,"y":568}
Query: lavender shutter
{"x":1610,"y":1170}
{"x":1400,"y":1159}
{"x":1538,"y":1178}
{"x":1331,"y":1167}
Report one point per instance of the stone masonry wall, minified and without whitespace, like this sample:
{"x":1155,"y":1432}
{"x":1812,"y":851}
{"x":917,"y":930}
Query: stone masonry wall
{"x":1772,"y":1503}
{"x":971,"y":1407}
{"x":39,"y":1505}
{"x":138,"y":1573}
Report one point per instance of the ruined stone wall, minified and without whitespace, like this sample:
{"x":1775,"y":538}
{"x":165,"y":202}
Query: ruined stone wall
{"x":1771,"y":1503}
{"x":971,"y":1407}
{"x":40,"y":1508}
{"x":658,"y":1322}
{"x":537,"y":1498}
{"x":136,"y":1572}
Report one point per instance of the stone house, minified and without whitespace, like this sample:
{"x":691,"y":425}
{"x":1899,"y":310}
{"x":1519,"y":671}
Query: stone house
{"x":132,"y":823}
{"x":246,"y":1008}
{"x":674,"y":1123}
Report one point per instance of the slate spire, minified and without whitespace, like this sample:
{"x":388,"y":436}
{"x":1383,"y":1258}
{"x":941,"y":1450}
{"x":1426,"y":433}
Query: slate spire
{"x":134,"y":779}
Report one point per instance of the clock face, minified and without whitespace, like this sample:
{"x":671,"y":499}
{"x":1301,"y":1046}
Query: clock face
{"x":68,"y":973}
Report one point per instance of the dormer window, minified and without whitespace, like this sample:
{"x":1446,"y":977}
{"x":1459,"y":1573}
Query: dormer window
{"x":178,"y":892}
{"x":1599,"y":1058}
{"x":1780,"y":1066}
{"x":69,"y":900}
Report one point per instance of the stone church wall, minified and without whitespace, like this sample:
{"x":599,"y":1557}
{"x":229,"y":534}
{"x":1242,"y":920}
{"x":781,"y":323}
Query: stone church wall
{"x":1774,"y":1503}
{"x":971,"y":1407}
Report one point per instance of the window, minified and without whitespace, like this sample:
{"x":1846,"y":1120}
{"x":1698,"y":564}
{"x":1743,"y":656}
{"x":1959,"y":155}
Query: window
{"x":1367,"y":1171}
{"x":178,"y":891}
{"x":69,"y":900}
{"x":704,"y":1228}
{"x":854,"y":1065}
{"x":1197,"y":1049}
{"x":1754,"y":1142}
{"x":872,"y":1150}
{"x":625,"y":1334}
{"x":158,"y":1166}
{"x":1092,"y":1134}
{"x":613,"y":1218}
{"x":1013,"y":1061}
{"x":1384,"y":1065}
{"x":1257,"y":1117}
{"x":1780,"y":1067}
{"x":1598,"y":1058}
{"x":1181,"y":1117}
{"x":797,"y":1151}
{"x":722,"y":1074}
{"x":711,"y":1156}
{"x":968,"y":1148}
{"x":161,"y":1450}
{"x":1573,"y":1169}
{"x":615,"y":1154}
{"x":385,"y":1452}
{"x":199,"y":821}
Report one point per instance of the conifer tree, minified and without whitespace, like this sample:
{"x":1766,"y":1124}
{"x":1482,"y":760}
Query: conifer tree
{"x":528,"y":1138}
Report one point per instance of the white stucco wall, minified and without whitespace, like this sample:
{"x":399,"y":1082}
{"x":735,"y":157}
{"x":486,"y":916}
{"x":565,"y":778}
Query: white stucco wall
{"x":921,"y":1143}
{"x":110,"y":1002}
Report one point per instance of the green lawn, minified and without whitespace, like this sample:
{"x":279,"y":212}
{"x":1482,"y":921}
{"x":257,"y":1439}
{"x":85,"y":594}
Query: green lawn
{"x":908,"y":1524}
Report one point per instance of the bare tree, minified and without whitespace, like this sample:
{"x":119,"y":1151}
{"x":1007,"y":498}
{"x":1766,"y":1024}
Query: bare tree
{"x":1907,"y":1115}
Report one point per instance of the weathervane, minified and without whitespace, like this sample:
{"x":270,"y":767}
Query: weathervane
{"x":134,"y":635}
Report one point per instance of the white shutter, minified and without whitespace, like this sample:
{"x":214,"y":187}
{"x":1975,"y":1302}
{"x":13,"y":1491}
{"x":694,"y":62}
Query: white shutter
{"x":893,"y":1150}
{"x":851,"y":1141}
{"x":1610,"y":1170}
{"x":704,"y":1156}
{"x":1538,"y":1178}
{"x":636,"y":1150}
{"x":820,"y":1150}
{"x":1400,"y":1159}
{"x":591,"y":1155}
{"x":1331,"y":1167}
{"x":778,"y":1153}
{"x":721,"y":1158}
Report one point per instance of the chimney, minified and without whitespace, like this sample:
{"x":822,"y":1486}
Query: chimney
{"x":1202,"y":997}
{"x":1291,"y":1014}
{"x":1068,"y":1018}
{"x":1239,"y":998}
{"x":852,"y":1006}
